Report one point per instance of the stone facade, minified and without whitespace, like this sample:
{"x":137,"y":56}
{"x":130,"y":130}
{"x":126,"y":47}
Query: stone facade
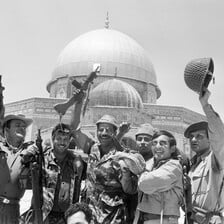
{"x":171,"y":118}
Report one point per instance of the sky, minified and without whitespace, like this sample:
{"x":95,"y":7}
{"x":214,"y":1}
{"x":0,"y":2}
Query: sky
{"x":173,"y":32}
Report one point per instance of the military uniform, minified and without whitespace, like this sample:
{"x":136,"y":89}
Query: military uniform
{"x":106,"y":191}
{"x":11,"y":186}
{"x":59,"y":190}
{"x":162,"y":191}
{"x":207,"y":171}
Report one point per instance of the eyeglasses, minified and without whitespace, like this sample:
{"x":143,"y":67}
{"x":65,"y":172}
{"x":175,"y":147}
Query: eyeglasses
{"x":146,"y":139}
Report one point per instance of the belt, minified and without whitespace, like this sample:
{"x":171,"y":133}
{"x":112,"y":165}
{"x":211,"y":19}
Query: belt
{"x":5,"y":200}
{"x":150,"y":216}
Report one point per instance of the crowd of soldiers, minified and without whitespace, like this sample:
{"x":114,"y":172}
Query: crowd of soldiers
{"x":111,"y":182}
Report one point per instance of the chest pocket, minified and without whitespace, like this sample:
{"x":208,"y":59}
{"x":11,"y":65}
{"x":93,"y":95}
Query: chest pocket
{"x":200,"y":178}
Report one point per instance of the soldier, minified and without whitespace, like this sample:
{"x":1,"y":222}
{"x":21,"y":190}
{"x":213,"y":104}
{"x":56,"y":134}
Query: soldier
{"x":143,"y":138}
{"x":206,"y":173}
{"x":61,"y":168}
{"x":161,"y":183}
{"x":12,"y":150}
{"x":111,"y":174}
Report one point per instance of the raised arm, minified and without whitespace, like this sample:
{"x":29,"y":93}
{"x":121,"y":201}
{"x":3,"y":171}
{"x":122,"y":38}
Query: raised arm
{"x":215,"y":128}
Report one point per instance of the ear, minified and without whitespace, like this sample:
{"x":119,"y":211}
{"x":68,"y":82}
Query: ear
{"x":173,"y":149}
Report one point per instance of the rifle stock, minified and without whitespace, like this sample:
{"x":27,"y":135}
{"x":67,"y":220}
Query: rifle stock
{"x":61,"y":108}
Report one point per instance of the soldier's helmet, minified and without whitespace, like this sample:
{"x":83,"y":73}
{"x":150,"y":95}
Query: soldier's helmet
{"x":198,"y":73}
{"x":108,"y":119}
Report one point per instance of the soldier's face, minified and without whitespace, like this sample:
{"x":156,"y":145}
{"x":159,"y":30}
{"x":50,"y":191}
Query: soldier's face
{"x":161,"y":148}
{"x":17,"y":130}
{"x":105,"y":133}
{"x":144,"y":144}
{"x":61,"y":142}
{"x":199,"y":141}
{"x":77,"y":218}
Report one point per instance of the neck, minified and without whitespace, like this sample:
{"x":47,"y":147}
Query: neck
{"x":106,"y":149}
{"x":147,"y":157}
{"x":15,"y":142}
{"x":59,"y":156}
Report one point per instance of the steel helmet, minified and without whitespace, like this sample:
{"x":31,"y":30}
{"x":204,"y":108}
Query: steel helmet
{"x":107,"y":119}
{"x":198,"y":73}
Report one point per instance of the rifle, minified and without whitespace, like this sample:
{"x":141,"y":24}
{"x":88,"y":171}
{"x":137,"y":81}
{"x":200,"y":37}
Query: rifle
{"x":37,"y":181}
{"x":187,"y":200}
{"x":78,"y":180}
{"x":61,"y":108}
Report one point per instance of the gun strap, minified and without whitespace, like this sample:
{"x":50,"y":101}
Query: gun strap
{"x":199,"y":186}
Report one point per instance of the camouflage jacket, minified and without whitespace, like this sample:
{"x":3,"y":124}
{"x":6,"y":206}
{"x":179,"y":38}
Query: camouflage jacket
{"x":107,"y":187}
{"x":59,"y":182}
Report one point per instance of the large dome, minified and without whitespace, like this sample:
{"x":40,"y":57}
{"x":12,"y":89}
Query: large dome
{"x":115,"y":93}
{"x":112,"y":49}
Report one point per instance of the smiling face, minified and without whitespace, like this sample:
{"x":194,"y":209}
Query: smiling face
{"x":105,"y":133}
{"x":199,"y":141}
{"x":61,"y":143}
{"x":161,"y":148}
{"x":16,"y":132}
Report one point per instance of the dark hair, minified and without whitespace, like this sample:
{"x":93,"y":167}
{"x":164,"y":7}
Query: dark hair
{"x":79,"y":207}
{"x":61,"y":128}
{"x":172,"y":139}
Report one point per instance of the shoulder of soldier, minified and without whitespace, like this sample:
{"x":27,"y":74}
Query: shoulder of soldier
{"x":174,"y":163}
{"x":77,"y":153}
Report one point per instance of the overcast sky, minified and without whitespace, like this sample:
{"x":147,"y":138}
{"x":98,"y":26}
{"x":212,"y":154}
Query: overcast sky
{"x":33,"y":33}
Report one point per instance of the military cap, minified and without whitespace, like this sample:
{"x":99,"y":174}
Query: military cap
{"x":108,"y":119}
{"x":203,"y":125}
{"x":146,"y":129}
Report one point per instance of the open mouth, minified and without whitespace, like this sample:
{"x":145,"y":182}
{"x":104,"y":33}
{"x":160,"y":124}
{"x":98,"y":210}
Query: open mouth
{"x":61,"y":147}
{"x":105,"y":137}
{"x":21,"y":135}
{"x":158,"y":151}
